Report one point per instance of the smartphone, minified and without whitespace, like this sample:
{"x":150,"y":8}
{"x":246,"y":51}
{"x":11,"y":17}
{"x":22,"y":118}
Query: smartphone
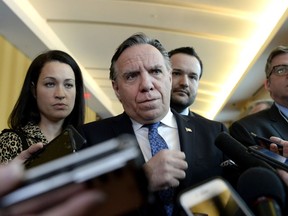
{"x":275,"y":160}
{"x":78,"y":140}
{"x":214,"y":197}
{"x":69,"y":141}
{"x":265,"y":142}
{"x":112,"y":166}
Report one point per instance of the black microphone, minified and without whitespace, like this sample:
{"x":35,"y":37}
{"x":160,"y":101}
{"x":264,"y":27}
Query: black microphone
{"x":238,"y":153}
{"x":263,"y":191}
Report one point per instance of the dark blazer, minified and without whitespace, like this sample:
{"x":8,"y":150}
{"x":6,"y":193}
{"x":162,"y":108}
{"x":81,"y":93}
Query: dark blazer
{"x":197,"y":136}
{"x":265,"y":123}
{"x":193,"y":114}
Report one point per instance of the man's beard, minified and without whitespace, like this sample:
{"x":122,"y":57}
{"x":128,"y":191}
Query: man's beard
{"x":180,"y":106}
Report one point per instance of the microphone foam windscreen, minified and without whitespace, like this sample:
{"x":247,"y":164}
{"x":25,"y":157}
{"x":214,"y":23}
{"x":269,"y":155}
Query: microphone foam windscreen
{"x":261,"y":182}
{"x":238,"y":153}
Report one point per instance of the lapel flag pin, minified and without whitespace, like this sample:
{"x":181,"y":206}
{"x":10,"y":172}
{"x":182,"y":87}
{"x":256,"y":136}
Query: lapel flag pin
{"x":188,"y":129}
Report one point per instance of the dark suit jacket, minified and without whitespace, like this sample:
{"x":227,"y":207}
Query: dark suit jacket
{"x":193,"y":114}
{"x":265,"y":123}
{"x":197,"y":136}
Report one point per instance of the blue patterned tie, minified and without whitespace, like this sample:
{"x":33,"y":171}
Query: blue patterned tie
{"x":157,"y":143}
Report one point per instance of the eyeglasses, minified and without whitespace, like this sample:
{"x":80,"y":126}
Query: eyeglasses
{"x":279,"y":70}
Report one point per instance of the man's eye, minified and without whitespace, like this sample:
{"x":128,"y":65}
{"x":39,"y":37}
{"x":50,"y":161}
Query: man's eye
{"x":280,"y":70}
{"x":176,"y":73}
{"x":156,"y":71}
{"x":130,"y":76}
{"x":194,"y":77}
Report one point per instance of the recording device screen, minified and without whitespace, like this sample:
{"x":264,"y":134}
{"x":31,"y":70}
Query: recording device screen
{"x":275,"y":160}
{"x":114,"y":167}
{"x":213,"y":198}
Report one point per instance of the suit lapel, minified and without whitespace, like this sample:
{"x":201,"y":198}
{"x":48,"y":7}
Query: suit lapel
{"x":278,"y":122}
{"x":122,"y":125}
{"x":187,"y":137}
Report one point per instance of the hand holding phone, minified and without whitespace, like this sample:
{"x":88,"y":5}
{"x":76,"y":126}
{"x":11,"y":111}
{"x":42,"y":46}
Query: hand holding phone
{"x":266,"y":142}
{"x":272,"y":158}
{"x":112,"y":167}
{"x":69,"y":141}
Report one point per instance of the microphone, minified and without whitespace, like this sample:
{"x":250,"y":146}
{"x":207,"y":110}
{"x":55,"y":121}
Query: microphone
{"x":238,"y":153}
{"x":263,"y":191}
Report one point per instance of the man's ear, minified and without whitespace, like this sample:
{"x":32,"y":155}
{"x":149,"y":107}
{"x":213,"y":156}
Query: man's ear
{"x":116,"y":89}
{"x":33,"y":89}
{"x":267,"y":84}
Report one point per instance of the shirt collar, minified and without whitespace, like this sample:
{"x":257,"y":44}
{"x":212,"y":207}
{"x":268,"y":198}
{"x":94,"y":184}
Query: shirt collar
{"x":168,"y":120}
{"x":185,"y":111}
{"x":282,"y":109}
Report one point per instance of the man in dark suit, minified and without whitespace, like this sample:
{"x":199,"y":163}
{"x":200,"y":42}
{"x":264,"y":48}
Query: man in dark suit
{"x":187,"y":69}
{"x":141,"y":78}
{"x":265,"y":123}
{"x":271,"y":122}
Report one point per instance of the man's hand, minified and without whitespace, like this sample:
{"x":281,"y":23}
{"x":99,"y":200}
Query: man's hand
{"x":165,"y":169}
{"x":274,"y":148}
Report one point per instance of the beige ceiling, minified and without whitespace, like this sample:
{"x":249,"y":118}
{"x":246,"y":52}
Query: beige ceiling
{"x":233,"y":38}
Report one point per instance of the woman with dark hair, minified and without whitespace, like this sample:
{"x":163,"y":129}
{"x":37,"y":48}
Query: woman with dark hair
{"x":51,"y":98}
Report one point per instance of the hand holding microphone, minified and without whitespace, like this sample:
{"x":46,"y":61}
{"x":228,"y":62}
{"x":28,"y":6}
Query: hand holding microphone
{"x":238,"y":152}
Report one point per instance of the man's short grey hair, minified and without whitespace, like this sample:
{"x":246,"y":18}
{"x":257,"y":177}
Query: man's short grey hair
{"x":136,"y":39}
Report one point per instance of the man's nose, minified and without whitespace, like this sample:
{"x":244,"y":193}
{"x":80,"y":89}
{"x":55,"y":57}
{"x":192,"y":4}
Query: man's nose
{"x":184,"y":80}
{"x":146,"y":83}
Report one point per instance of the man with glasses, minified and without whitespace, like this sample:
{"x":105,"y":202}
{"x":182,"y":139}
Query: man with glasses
{"x":274,"y":121}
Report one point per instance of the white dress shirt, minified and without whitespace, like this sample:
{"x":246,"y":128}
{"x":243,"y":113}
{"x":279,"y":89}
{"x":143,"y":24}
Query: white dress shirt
{"x":168,"y":130}
{"x":185,"y":111}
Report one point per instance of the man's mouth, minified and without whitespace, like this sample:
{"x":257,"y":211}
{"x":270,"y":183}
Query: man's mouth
{"x":147,"y":101}
{"x":181,"y":91}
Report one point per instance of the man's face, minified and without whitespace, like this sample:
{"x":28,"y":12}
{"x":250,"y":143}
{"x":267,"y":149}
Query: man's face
{"x":143,"y":83}
{"x":278,"y":85}
{"x":186,"y":72}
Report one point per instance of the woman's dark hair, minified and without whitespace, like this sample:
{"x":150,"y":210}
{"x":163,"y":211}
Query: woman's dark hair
{"x":136,"y":39}
{"x":26,"y":109}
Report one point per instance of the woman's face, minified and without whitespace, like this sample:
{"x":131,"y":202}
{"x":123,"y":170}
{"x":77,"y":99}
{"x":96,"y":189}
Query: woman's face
{"x":55,"y":91}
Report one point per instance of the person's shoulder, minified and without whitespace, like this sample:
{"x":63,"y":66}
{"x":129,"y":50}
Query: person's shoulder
{"x":104,"y":122}
{"x":193,"y":114}
{"x":204,"y":120}
{"x":255,"y":117}
{"x":7,"y":134}
{"x":196,"y":115}
{"x":201,"y":122}
{"x":10,"y":144}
